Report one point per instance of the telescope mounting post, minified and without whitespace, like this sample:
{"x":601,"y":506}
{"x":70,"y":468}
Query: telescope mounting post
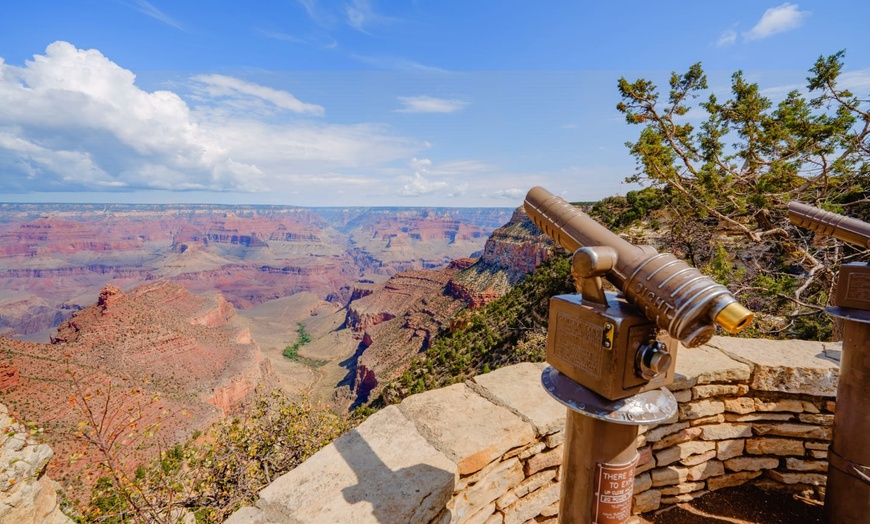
{"x":847,"y":492}
{"x":611,"y":354}
{"x":601,"y":435}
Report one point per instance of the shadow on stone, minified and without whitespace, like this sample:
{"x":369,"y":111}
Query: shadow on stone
{"x":412,"y":494}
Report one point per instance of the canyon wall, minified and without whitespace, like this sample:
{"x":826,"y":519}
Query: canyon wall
{"x":176,"y":352}
{"x":55,"y":258}
{"x":490,"y":451}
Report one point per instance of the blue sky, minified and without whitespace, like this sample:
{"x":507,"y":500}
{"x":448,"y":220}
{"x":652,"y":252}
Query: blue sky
{"x":359,"y":102}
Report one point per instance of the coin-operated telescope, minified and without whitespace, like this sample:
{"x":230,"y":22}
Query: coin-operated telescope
{"x":847,"y":495}
{"x":620,"y":345}
{"x":610,"y":354}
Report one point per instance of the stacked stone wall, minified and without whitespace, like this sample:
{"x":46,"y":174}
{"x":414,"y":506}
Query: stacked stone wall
{"x":490,"y":451}
{"x":763,"y":411}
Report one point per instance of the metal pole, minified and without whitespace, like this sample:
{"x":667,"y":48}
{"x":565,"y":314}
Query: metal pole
{"x":600,"y":448}
{"x":597,"y":471}
{"x":847,"y":494}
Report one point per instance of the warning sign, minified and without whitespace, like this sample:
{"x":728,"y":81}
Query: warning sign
{"x":613,"y":488}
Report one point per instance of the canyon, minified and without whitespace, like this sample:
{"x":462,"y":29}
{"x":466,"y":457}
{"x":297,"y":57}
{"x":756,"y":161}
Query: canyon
{"x":196,"y":312}
{"x":367,"y":321}
{"x":56,"y":258}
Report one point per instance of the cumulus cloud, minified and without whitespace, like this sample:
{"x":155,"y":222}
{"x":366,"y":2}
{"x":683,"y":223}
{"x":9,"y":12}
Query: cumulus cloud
{"x":777,"y":20}
{"x":428,"y":104}
{"x":418,"y":184}
{"x":451,"y":179}
{"x":73,"y":120}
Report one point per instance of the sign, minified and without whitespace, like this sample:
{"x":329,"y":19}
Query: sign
{"x":612,"y":491}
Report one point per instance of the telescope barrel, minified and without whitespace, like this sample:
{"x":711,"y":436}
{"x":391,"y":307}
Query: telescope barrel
{"x":823,"y":222}
{"x":674,"y":295}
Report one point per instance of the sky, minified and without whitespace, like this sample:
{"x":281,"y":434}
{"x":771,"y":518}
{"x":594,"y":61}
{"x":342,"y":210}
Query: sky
{"x":368,"y":103}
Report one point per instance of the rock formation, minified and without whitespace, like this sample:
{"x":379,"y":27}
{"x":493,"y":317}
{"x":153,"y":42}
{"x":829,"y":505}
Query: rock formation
{"x":512,"y":252}
{"x":27,"y":494}
{"x":56,"y":258}
{"x":191,"y":352}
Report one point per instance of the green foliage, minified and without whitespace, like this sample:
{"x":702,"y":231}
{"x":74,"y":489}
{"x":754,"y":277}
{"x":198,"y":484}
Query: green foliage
{"x":213,"y":476}
{"x":302,"y":338}
{"x":509,"y":330}
{"x":726,"y":184}
{"x":618,"y":212}
{"x":247,"y":452}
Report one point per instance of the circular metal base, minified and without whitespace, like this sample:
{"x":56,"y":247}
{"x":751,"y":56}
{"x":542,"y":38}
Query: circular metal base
{"x":643,"y":409}
{"x":848,"y":313}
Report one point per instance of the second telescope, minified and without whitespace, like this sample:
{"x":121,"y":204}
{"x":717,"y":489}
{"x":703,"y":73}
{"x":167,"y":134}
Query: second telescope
{"x":677,"y":297}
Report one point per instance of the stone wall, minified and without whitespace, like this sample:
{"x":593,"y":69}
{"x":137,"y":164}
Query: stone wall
{"x":489,"y":451}
{"x":27,"y":496}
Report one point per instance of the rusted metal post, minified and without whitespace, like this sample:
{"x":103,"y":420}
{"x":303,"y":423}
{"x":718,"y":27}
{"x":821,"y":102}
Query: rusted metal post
{"x":601,"y":448}
{"x":847,"y":494}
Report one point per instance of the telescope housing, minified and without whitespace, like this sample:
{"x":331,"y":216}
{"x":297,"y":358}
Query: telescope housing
{"x":677,"y":297}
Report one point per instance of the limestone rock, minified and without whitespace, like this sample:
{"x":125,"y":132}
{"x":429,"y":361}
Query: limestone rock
{"x":382,"y":472}
{"x":531,"y":506}
{"x":488,"y":431}
{"x":735,"y":479}
{"x":705,"y":365}
{"x":788,"y":366}
{"x":27,"y":496}
{"x":533,"y":404}
{"x":774,"y":446}
{"x":751,"y":463}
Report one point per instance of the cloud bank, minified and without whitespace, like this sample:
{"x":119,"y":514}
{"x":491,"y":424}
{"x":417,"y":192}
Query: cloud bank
{"x":73,"y":120}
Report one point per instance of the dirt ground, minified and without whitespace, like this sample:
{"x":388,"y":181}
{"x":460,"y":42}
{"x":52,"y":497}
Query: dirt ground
{"x":741,"y":505}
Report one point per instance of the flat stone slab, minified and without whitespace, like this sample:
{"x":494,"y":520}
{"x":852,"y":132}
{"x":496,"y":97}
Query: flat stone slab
{"x":707,"y":364}
{"x":519,"y":389}
{"x":466,"y":427}
{"x":382,"y":472}
{"x":787,"y":366}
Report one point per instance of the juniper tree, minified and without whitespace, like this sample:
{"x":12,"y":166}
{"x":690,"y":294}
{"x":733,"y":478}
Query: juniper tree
{"x":727,"y":182}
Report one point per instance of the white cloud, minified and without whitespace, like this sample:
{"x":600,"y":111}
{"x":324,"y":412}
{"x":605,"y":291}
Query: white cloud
{"x":73,"y":120}
{"x":226,"y":86}
{"x":428,"y":104}
{"x":858,"y":82}
{"x":512,"y":193}
{"x":419,"y":186}
{"x":145,"y":7}
{"x":360,"y":15}
{"x":727,"y":38}
{"x":777,"y":20}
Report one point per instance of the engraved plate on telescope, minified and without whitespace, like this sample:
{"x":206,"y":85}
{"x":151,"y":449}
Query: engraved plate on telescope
{"x":579,"y":343}
{"x":858,"y":289}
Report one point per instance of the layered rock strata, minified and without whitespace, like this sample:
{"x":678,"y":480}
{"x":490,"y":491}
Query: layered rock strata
{"x":511,"y":252}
